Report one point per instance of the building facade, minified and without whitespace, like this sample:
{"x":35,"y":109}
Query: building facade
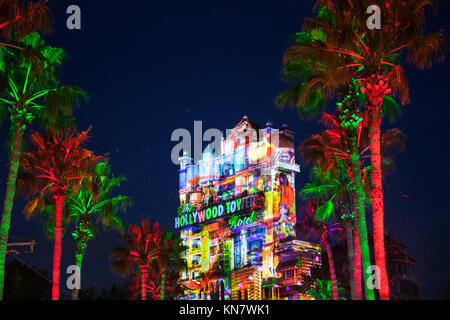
{"x":237,"y":216}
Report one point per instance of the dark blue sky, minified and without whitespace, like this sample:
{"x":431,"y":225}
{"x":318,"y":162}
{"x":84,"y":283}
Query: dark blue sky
{"x":151,"y":67}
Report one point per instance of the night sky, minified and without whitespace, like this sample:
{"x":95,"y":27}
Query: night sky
{"x":151,"y":67}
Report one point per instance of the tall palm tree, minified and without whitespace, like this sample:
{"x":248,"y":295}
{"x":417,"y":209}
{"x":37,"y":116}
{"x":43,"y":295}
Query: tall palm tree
{"x":95,"y":197}
{"x":324,"y":291}
{"x":317,"y":77}
{"x":55,"y":169}
{"x":144,"y":245}
{"x":165,"y":271}
{"x":373,"y":58}
{"x":31,"y":91}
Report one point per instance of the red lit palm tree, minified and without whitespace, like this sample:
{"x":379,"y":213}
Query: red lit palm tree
{"x":21,"y":17}
{"x":54,"y":169}
{"x":337,"y":155}
{"x":32,"y":94}
{"x":333,"y":155}
{"x":317,"y":77}
{"x":144,"y":246}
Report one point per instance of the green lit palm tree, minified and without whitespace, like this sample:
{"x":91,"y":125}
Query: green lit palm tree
{"x":324,"y":291}
{"x":316,"y":78}
{"x":95,"y":197}
{"x":339,"y":155}
{"x":169,"y":264}
{"x":31,"y":93}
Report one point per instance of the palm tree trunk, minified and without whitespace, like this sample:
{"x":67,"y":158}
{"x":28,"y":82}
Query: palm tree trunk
{"x":361,"y":217}
{"x":144,"y":278}
{"x":78,"y":262}
{"x":57,"y":249}
{"x":332,"y":271}
{"x":9,"y":198}
{"x":349,"y":233}
{"x":163,"y":283}
{"x":357,"y":264}
{"x":377,"y":198}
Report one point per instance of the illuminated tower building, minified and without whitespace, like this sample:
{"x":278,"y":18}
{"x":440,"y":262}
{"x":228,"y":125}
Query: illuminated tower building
{"x":235,"y":209}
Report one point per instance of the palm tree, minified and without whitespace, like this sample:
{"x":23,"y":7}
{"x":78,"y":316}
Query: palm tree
{"x":95,"y":197}
{"x":55,"y":169}
{"x":31,"y":92}
{"x":324,"y":291}
{"x":373,"y":58}
{"x":20,"y":17}
{"x":336,"y":185}
{"x":170,"y":262}
{"x":339,"y":155}
{"x":333,"y":153}
{"x":144,"y":245}
{"x":319,"y":220}
{"x":317,"y":77}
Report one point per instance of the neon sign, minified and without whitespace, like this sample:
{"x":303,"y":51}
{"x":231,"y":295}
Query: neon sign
{"x":213,"y":212}
{"x":238,"y":221}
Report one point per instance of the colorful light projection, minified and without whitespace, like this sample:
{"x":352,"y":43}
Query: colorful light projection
{"x":237,"y":205}
{"x":283,"y":228}
{"x":190,"y":217}
{"x":239,"y":220}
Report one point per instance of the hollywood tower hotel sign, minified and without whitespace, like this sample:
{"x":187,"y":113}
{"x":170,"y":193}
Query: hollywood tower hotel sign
{"x":234,"y":209}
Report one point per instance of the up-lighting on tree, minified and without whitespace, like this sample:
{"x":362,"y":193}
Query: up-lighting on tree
{"x":324,"y":291}
{"x":337,"y":156}
{"x":333,"y":176}
{"x":166,"y":268}
{"x":55,"y":168}
{"x":316,"y":78}
{"x":144,"y":246}
{"x":95,"y":202}
{"x":20,"y":17}
{"x":31,"y":92}
{"x":373,"y":58}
